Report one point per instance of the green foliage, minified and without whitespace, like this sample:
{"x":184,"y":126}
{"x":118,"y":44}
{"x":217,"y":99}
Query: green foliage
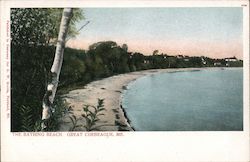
{"x":59,"y":106}
{"x":33,"y":32}
{"x":73,"y":68}
{"x":78,"y":15}
{"x":39,"y":26}
{"x":29,"y":73}
{"x":29,"y":26}
{"x":30,"y":124}
{"x":74,"y":122}
{"x":92,"y":114}
{"x":27,"y":119}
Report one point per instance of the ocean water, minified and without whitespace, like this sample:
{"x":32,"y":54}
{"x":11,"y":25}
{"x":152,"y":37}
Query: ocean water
{"x":206,"y":100}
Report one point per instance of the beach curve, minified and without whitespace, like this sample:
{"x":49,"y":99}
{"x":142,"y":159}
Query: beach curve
{"x":110,"y":89}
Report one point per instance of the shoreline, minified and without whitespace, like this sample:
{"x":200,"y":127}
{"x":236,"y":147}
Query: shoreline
{"x":110,"y":89}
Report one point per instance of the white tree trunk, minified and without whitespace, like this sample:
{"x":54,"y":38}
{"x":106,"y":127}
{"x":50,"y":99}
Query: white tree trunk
{"x":56,"y":67}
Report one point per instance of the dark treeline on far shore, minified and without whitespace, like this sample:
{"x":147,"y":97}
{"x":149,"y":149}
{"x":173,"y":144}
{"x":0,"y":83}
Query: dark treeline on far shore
{"x":104,"y":59}
{"x":31,"y":65}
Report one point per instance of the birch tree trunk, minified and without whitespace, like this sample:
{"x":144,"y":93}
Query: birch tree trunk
{"x":56,"y":67}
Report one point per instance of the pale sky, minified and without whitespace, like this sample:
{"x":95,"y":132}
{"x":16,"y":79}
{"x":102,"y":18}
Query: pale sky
{"x":212,"y":32}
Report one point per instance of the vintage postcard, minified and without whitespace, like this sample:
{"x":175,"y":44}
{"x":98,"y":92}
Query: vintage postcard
{"x":124,"y":80}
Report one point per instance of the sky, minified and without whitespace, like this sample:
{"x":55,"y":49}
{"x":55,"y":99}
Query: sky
{"x":212,"y":32}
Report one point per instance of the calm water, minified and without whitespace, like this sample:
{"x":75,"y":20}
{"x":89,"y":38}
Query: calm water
{"x":208,"y":100}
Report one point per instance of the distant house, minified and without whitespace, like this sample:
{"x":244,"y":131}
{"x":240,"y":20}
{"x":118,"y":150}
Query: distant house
{"x":186,"y":59}
{"x":203,"y":61}
{"x":217,"y":64}
{"x":231,"y":59}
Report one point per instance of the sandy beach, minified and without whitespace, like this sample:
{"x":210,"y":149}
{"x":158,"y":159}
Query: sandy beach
{"x":109,"y":89}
